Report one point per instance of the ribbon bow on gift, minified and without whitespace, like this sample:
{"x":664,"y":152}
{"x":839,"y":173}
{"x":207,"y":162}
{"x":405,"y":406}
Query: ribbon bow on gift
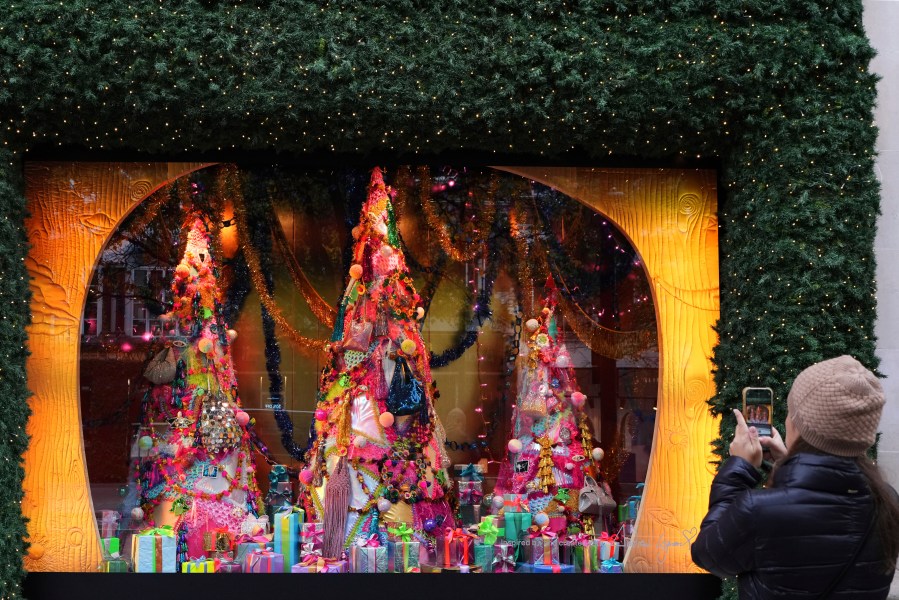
{"x":469,"y":493}
{"x":504,"y":558}
{"x":314,"y":534}
{"x":165,"y":530}
{"x":256,"y":538}
{"x":309,"y":549}
{"x":611,"y":565}
{"x":488,"y":531}
{"x":278,"y":473}
{"x":605,"y":537}
{"x":471,"y":473}
{"x":370,"y":542}
{"x":582,"y":538}
{"x":402,"y":531}
{"x":515,"y":503}
{"x":547,"y":536}
{"x":322,"y":565}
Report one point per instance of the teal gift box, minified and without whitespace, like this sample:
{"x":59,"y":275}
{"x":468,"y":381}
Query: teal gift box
{"x":611,"y":566}
{"x":153,"y":551}
{"x":403,"y":557}
{"x":245,"y":548}
{"x":552,"y":569}
{"x":287,"y":535}
{"x":483,"y":556}
{"x":369,"y":559}
{"x":516,"y":527}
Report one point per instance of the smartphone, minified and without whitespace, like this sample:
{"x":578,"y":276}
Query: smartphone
{"x":758,"y":409}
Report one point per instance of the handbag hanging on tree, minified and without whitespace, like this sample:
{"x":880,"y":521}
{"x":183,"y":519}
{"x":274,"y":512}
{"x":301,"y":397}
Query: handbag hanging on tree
{"x":593,"y":498}
{"x":162,"y":367}
{"x":406,"y":394}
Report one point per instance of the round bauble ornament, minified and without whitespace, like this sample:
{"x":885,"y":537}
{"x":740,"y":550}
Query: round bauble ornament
{"x":430,"y":525}
{"x":356,"y":271}
{"x":409,"y":347}
{"x":384,"y":505}
{"x":386,"y":250}
{"x":137,"y":513}
{"x":145,"y":442}
{"x":514,"y":446}
{"x":205,"y":345}
{"x":356,"y":231}
{"x":578,"y":399}
{"x":242,"y":418}
{"x":541,"y":519}
{"x":532,"y":324}
{"x":321,"y":414}
{"x":419,"y":313}
{"x":386,"y":419}
{"x":381,"y":228}
{"x":569,"y":466}
{"x":306,"y":476}
{"x":360,"y":442}
{"x":232,"y":334}
{"x":498,"y":501}
{"x":563,"y":362}
{"x":598,"y":454}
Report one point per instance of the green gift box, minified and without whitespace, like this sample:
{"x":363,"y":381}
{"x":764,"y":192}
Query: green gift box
{"x":115,"y":565}
{"x":586,"y":556}
{"x":483,"y":556}
{"x":517,"y":525}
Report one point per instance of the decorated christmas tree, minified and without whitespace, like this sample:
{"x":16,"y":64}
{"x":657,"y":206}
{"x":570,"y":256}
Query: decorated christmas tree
{"x":197,"y":471}
{"x":377,"y":455}
{"x":551,"y":447}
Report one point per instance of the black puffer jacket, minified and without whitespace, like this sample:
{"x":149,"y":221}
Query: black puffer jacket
{"x":792,"y":540}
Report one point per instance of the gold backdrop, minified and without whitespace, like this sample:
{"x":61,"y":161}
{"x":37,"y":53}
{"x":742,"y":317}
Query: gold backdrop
{"x":668,"y":215}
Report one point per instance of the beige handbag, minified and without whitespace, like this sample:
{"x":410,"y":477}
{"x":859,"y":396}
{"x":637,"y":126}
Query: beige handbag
{"x":162,"y":367}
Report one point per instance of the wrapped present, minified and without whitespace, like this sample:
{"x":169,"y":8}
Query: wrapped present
{"x":218,"y":540}
{"x":455,"y":547}
{"x":515,"y":503}
{"x":403,"y":557}
{"x":264,"y":561}
{"x":114,"y":565}
{"x":399,"y":532}
{"x":312,"y":533}
{"x":200,"y":565}
{"x":585,"y":554}
{"x":609,"y":546}
{"x":248,"y":543}
{"x":470,"y":514}
{"x":317,"y":564}
{"x":499,"y":522}
{"x":286,"y":528}
{"x":488,"y":531}
{"x":471,"y":472}
{"x":109,"y":523}
{"x":153,"y":550}
{"x":483,"y":554}
{"x":369,"y":556}
{"x":517,"y":525}
{"x":610,"y":566}
{"x":622,"y":513}
{"x":470,"y":492}
{"x":539,"y":568}
{"x":503,"y":558}
{"x":543,"y":546}
{"x":111,"y":547}
{"x":566,"y":548}
{"x":230,"y":566}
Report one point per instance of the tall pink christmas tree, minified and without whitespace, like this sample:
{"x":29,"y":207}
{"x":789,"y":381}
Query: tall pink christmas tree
{"x":378,"y":450}
{"x":551,"y":446}
{"x":198,"y":474}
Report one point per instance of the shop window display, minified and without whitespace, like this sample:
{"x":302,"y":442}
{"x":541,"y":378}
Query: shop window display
{"x":417,"y":369}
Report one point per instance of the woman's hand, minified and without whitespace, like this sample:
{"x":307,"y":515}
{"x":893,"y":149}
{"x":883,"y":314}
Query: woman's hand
{"x":774,"y":444}
{"x":746,"y":442}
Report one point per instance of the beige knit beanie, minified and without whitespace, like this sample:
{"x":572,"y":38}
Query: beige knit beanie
{"x":836,"y":405}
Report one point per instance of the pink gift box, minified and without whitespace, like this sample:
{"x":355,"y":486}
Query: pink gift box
{"x":320,"y":565}
{"x":312,"y":533}
{"x":264,"y":561}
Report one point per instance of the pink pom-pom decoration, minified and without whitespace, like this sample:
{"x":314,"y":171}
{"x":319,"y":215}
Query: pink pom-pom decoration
{"x":563,"y":362}
{"x":514,"y":446}
{"x":419,"y":313}
{"x":232,"y":334}
{"x":242,"y":418}
{"x":386,"y":251}
{"x":386,"y":419}
{"x":578,"y":399}
{"x":356,"y":271}
{"x":306,"y":476}
{"x":569,"y":466}
{"x":321,"y":414}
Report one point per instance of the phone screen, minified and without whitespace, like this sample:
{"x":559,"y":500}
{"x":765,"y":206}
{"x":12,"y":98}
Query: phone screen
{"x":758,"y":408}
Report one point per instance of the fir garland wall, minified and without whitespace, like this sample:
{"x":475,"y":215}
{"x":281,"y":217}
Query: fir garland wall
{"x":777,"y":94}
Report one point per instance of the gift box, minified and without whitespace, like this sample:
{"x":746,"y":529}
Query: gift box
{"x":109,"y":523}
{"x":483,"y":556}
{"x":252,"y":525}
{"x":317,"y":564}
{"x":566,"y":549}
{"x":622,"y":513}
{"x":461,"y":569}
{"x":470,"y":472}
{"x":403,"y":557}
{"x":399,"y":532}
{"x":610,"y":566}
{"x":429,"y":568}
{"x":586,"y":556}
{"x":497,"y":521}
{"x":538,"y":568}
{"x":470,"y":492}
{"x":200,"y":565}
{"x":249,"y":543}
{"x":312,"y":533}
{"x":609,"y":547}
{"x":488,"y":532}
{"x":264,"y":561}
{"x":111,"y":547}
{"x":230,"y":566}
{"x":503,"y":558}
{"x":516,"y":526}
{"x":114,"y":565}
{"x":542,"y":547}
{"x":515,"y":503}
{"x":470,"y":514}
{"x":287,"y":535}
{"x":218,"y":540}
{"x":153,"y":551}
{"x":369,"y":558}
{"x":455,"y":547}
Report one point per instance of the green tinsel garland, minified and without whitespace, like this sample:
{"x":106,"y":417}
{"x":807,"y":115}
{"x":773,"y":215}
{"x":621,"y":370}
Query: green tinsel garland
{"x":776,"y":92}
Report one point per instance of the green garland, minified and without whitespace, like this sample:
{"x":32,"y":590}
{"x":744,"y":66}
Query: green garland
{"x":776,"y":92}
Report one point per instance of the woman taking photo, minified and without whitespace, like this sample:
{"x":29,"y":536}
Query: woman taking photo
{"x":828,"y":525}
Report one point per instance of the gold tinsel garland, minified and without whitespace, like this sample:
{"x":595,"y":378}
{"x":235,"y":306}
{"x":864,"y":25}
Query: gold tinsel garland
{"x":253,"y":265}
